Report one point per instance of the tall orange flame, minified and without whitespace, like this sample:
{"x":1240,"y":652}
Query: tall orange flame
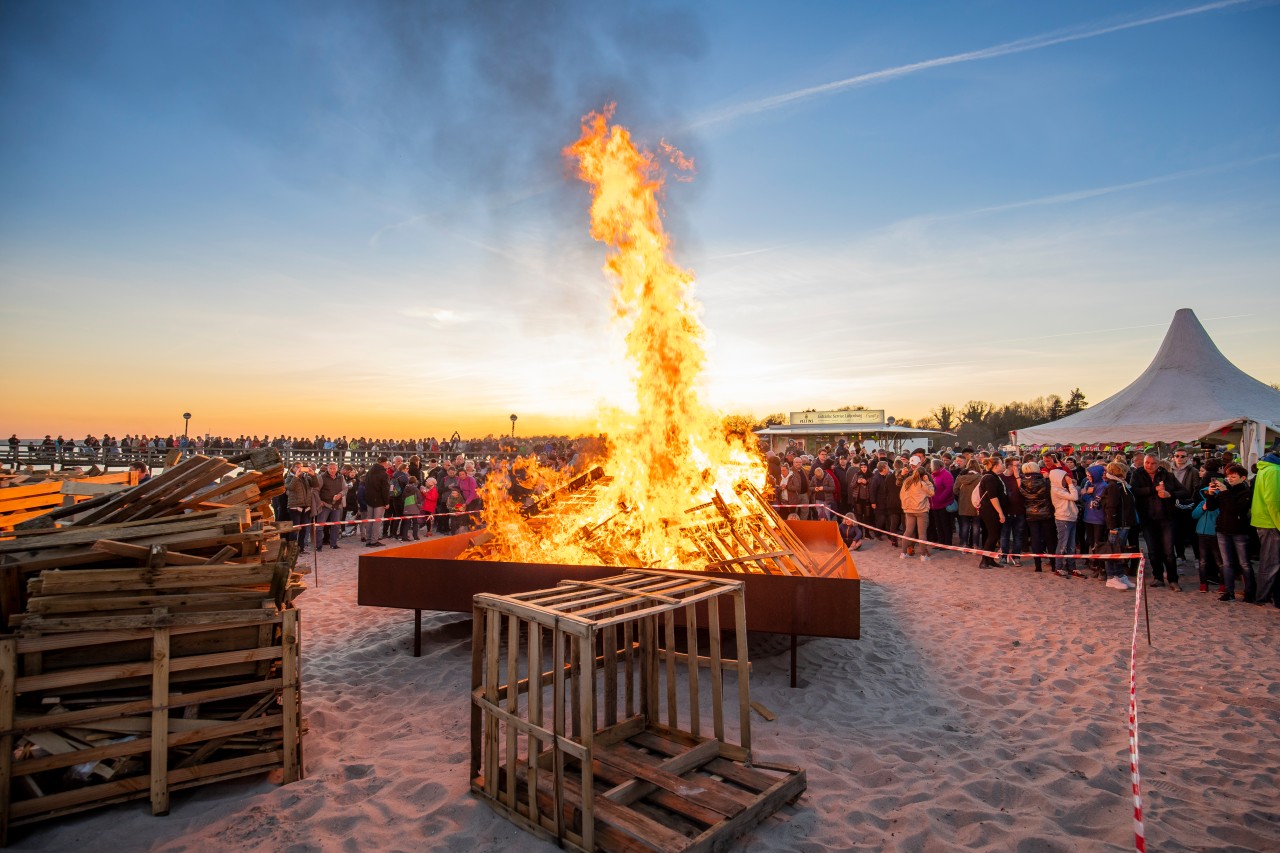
{"x":672,"y":453}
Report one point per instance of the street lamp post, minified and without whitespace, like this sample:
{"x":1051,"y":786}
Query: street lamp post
{"x":513,"y":426}
{"x":186,"y":422}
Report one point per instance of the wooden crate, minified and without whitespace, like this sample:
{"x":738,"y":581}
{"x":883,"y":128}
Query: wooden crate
{"x":588,"y":725}
{"x":154,"y":724}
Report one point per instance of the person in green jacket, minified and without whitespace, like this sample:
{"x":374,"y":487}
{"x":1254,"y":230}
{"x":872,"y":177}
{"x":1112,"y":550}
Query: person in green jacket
{"x":1266,"y":517}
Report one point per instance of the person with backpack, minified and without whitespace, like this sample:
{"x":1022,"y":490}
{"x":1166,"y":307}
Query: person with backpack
{"x":966,"y":507}
{"x":1119,"y":515}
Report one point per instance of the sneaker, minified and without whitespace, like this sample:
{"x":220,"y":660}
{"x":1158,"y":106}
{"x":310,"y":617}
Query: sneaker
{"x":902,"y":556}
{"x":1173,"y":587}
{"x":1128,"y":582}
{"x":1204,"y":587}
{"x":924,"y":558}
{"x":1017,"y":564}
{"x":1116,"y":583}
{"x":1226,"y":596}
{"x":1156,"y":584}
{"x":334,"y":547}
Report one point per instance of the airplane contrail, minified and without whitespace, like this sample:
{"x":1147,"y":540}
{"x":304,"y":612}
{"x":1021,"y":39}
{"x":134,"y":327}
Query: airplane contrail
{"x":884,"y":75}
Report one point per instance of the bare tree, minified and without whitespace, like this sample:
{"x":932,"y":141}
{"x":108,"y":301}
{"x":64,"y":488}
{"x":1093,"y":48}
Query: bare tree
{"x":945,"y":417}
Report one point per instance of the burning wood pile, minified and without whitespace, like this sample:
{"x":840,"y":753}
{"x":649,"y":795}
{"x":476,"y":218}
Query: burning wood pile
{"x":743,"y":536}
{"x":155,"y":642}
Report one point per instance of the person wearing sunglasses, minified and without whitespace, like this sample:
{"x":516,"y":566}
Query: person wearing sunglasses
{"x":1184,"y":531}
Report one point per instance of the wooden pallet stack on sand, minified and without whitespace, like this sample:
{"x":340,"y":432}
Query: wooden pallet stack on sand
{"x":594,"y":728}
{"x":23,"y":497}
{"x":155,"y":644}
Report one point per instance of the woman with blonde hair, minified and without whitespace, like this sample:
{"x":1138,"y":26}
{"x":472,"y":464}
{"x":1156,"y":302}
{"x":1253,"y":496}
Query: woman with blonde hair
{"x":917,"y":488}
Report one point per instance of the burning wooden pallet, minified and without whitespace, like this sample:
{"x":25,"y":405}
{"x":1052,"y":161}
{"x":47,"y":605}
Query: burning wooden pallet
{"x":587,"y":725}
{"x":157,"y":646}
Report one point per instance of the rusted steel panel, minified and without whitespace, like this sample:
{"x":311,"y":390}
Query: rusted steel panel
{"x":428,"y":576}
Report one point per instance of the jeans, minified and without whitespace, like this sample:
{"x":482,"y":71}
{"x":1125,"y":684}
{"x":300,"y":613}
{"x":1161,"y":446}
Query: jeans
{"x":1208,"y":562}
{"x":1234,"y":550}
{"x":1066,"y":543}
{"x":1041,"y":530}
{"x":1268,"y":565}
{"x":373,"y":527}
{"x":328,"y":513}
{"x":968,"y":525}
{"x":1011,"y":536}
{"x":941,"y":526}
{"x":301,"y":519}
{"x":916,"y":526}
{"x":1117,"y":543}
{"x":1158,"y":533}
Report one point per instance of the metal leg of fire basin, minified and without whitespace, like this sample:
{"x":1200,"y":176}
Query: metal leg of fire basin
{"x":793,"y":661}
{"x":417,"y":636}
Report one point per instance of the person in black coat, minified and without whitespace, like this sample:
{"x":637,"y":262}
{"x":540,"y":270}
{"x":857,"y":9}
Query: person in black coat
{"x":991,"y":510}
{"x":377,"y":494}
{"x":1157,"y":492}
{"x":1040,"y":527}
{"x":1232,"y":497}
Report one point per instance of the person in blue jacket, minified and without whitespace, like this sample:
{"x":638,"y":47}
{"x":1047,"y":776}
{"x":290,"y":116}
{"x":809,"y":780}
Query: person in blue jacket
{"x":1206,"y":521}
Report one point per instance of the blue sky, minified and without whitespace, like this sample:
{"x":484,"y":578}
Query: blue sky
{"x":355,"y":218}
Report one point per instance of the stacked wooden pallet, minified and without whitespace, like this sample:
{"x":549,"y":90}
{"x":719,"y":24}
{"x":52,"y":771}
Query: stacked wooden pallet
{"x":23,"y":498}
{"x":156,"y":644}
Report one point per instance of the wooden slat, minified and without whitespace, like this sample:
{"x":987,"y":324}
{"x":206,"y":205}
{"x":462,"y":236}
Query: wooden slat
{"x":160,"y":723}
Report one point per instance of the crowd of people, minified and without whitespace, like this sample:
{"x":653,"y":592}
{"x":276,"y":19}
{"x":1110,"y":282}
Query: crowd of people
{"x":1071,"y":507}
{"x":94,"y":446}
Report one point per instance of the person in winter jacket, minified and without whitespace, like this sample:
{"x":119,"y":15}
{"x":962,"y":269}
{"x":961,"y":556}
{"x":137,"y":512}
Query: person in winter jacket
{"x":882,"y":488}
{"x":1206,"y":521}
{"x":377,"y":494}
{"x":1158,"y":491}
{"x":1091,"y":496}
{"x":1266,"y":517}
{"x":941,"y":527}
{"x":412,"y":510}
{"x":822,"y":490}
{"x":1232,"y":497}
{"x":1119,"y":514}
{"x":1188,"y":476}
{"x":1015,"y":515}
{"x":966,"y":513}
{"x":1035,"y":493}
{"x":917,"y":488}
{"x":1064,"y":494}
{"x":859,"y":492}
{"x":299,"y":490}
{"x":991,"y":510}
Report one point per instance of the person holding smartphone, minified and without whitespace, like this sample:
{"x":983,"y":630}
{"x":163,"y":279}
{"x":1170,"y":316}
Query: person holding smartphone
{"x":1231,"y":497}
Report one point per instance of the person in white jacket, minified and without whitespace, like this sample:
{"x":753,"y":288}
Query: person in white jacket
{"x":1064,"y":494}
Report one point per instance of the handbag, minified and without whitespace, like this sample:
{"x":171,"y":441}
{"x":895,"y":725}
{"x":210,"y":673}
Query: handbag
{"x":954,"y":506}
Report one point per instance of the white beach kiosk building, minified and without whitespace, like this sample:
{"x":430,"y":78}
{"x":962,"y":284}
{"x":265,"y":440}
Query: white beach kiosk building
{"x":1190,"y":392}
{"x":869,"y":426}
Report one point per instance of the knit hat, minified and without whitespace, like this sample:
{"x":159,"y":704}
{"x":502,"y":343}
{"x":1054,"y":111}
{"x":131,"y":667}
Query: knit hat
{"x":1117,"y":469}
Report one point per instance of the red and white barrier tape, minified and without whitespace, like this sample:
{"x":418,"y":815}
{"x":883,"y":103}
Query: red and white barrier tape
{"x":1139,"y":833}
{"x":1140,"y":841}
{"x":960,"y":548}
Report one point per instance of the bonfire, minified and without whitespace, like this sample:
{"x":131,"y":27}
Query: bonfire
{"x":672,"y":490}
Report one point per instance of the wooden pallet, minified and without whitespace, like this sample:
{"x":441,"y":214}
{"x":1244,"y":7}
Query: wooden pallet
{"x":587,"y":724}
{"x":655,"y":790}
{"x":147,"y":727}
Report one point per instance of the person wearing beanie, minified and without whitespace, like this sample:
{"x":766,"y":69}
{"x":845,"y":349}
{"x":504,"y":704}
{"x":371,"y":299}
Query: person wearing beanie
{"x":1118,"y":515}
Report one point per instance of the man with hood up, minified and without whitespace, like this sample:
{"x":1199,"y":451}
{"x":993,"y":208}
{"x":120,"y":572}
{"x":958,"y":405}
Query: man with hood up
{"x":1266,"y":517}
{"x":1091,"y":496}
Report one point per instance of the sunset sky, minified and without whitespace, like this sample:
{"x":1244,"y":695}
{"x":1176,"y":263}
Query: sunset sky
{"x":355,"y":218}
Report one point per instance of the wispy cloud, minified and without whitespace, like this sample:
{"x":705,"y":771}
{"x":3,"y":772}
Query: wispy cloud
{"x":1095,"y":192}
{"x":1023,"y":45}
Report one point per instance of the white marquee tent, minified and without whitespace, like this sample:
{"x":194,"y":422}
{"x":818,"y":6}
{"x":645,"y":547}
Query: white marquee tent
{"x":1189,"y":391}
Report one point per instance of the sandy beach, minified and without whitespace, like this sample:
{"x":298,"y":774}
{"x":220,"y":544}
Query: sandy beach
{"x":981,"y":710}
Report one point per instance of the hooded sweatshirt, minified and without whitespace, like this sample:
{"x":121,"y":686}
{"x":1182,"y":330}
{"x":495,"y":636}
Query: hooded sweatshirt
{"x":1092,"y":495}
{"x":1266,"y":493}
